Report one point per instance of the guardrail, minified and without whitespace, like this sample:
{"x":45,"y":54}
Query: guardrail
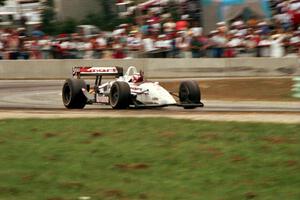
{"x":157,"y":68}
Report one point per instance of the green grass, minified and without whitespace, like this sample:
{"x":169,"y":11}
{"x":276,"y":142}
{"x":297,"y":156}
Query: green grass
{"x":156,"y":159}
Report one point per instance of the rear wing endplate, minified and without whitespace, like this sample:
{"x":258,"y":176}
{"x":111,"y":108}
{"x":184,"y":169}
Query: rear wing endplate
{"x":97,"y":71}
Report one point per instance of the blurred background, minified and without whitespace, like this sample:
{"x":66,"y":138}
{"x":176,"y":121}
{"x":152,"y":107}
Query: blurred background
{"x":95,"y":29}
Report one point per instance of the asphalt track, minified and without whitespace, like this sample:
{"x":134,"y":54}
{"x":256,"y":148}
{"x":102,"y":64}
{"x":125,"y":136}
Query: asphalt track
{"x":44,"y":96}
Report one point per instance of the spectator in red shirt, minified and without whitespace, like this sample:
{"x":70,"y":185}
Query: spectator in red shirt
{"x":118,"y":49}
{"x":182,"y":25}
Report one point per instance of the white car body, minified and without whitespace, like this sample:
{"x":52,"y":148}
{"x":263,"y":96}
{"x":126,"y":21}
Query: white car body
{"x":148,"y":93}
{"x":127,"y":90}
{"x":155,"y":94}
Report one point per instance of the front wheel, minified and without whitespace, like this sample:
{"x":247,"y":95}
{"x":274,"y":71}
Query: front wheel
{"x":120,"y":96}
{"x":189,"y":93}
{"x":72,"y":95}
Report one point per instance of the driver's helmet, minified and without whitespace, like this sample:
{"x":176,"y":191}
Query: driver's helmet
{"x":137,"y":78}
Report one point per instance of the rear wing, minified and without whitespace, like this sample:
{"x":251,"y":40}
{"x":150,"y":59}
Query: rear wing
{"x":97,"y":71}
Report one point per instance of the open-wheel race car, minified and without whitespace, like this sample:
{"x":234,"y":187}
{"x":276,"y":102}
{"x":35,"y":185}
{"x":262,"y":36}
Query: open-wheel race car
{"x":126,"y":90}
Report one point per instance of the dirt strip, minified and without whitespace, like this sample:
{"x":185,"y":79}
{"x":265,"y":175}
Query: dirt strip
{"x":244,"y":89}
{"x":286,"y":118}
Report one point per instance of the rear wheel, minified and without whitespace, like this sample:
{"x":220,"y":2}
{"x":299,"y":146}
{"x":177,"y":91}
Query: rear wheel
{"x":189,"y":93}
{"x":72,"y":95}
{"x":120,"y":96}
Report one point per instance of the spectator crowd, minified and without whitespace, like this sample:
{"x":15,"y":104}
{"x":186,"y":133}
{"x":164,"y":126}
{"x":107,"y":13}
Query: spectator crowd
{"x":157,"y":34}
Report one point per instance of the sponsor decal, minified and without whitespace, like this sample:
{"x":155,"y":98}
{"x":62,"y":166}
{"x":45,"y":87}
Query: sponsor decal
{"x":86,"y":69}
{"x":102,"y":99}
{"x":137,"y":89}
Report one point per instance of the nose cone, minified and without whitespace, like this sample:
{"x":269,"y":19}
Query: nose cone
{"x":156,"y":95}
{"x":164,"y":96}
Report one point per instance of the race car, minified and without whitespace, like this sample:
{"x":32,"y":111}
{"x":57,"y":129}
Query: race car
{"x":125,"y":90}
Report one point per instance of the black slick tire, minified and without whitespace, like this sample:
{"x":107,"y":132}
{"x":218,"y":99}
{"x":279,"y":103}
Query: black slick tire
{"x":189,"y":93}
{"x":72,"y":95}
{"x":120,"y":96}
